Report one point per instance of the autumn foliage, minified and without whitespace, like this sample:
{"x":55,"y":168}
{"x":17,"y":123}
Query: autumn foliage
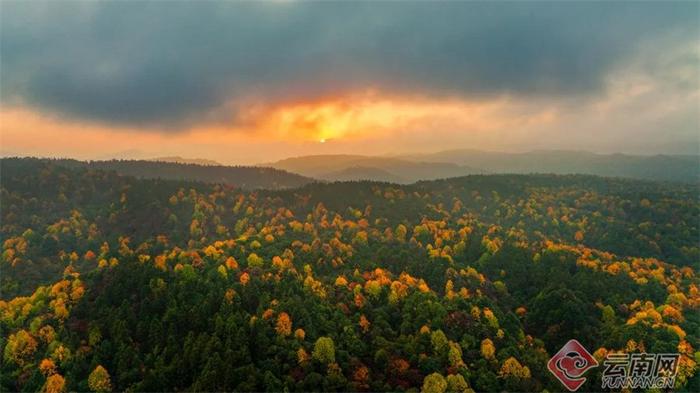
{"x":466,"y":284}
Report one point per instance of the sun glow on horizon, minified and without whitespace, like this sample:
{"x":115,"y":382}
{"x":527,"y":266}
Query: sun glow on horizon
{"x":350,"y":121}
{"x":361,"y":116}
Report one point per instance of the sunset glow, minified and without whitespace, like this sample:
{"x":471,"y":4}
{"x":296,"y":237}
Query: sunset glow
{"x":340,"y":121}
{"x":325,"y":88}
{"x":358,"y":116}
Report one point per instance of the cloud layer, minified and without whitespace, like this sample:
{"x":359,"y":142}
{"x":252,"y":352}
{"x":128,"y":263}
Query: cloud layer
{"x":170,"y":64}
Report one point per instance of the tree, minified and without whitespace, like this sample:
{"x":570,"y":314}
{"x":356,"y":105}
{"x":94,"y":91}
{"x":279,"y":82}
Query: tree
{"x":229,"y":295}
{"x":455,"y":355}
{"x":231,"y":263}
{"x":324,"y":350}
{"x":54,"y":384}
{"x":302,"y":356}
{"x":99,"y":380}
{"x":434,"y":383}
{"x":20,"y":347}
{"x":373,"y":288}
{"x":255,"y":261}
{"x":512,"y":368}
{"x":47,"y":367}
{"x":284,"y":324}
{"x":457,"y":383}
{"x":361,"y":376}
{"x":488,"y":350}
{"x":341,"y":281}
{"x":400,"y":232}
{"x":222,"y":271}
{"x":61,"y":354}
{"x":491,"y":318}
{"x":364,"y":323}
{"x":439,"y":342}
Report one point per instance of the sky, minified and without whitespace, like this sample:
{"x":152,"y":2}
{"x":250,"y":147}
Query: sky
{"x":247,"y":82}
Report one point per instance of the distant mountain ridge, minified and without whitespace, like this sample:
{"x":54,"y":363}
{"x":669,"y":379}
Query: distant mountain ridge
{"x":410,"y":168}
{"x":685,"y":168}
{"x":343,"y":167}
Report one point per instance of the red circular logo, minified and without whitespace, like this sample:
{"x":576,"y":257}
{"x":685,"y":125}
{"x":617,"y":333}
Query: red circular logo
{"x":570,"y":363}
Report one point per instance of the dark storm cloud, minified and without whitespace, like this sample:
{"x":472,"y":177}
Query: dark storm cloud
{"x":168,"y":62}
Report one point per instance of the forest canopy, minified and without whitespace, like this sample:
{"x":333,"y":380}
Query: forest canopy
{"x":111,"y":282}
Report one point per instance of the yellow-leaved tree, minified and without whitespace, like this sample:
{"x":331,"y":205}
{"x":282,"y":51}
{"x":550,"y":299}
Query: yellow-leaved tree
{"x":512,"y":368}
{"x":434,"y":383}
{"x":488,"y":350}
{"x":20,"y":347}
{"x":99,"y":380}
{"x":324,"y":350}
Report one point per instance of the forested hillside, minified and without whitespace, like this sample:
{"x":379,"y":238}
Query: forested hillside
{"x":115,"y":283}
{"x":245,"y":177}
{"x":183,"y":160}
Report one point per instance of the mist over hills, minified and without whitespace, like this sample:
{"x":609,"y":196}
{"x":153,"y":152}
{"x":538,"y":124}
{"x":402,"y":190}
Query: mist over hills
{"x":452,"y":163}
{"x":358,"y":167}
{"x":684,"y":168}
{"x":403,"y":169}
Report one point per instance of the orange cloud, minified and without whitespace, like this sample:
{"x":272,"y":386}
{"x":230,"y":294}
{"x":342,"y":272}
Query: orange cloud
{"x":357,"y":116}
{"x":347,"y":120}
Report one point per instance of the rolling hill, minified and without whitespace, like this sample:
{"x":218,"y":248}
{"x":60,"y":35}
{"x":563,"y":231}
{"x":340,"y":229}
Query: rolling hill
{"x":245,"y":177}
